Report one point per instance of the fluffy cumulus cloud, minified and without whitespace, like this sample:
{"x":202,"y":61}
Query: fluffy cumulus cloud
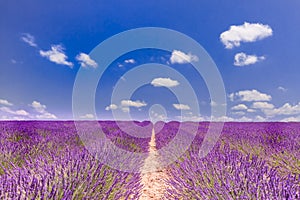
{"x":250,"y":95}
{"x":259,"y":118}
{"x":29,"y":39}
{"x":286,"y":109}
{"x":181,"y":57}
{"x":123,"y":78}
{"x":239,"y":107}
{"x":221,"y":118}
{"x":154,"y":116}
{"x":181,"y":106}
{"x":262,"y":105}
{"x":291,"y":119}
{"x":41,"y":110}
{"x":5,"y":102}
{"x":125,"y":109}
{"x":22,"y":112}
{"x":87,"y":116}
{"x":193,"y":118}
{"x":46,"y":116}
{"x":111,"y":107}
{"x":241,"y":119}
{"x":130,"y":61}
{"x":164,"y":82}
{"x":239,"y":113}
{"x":86,"y":61}
{"x":224,"y":118}
{"x":248,"y":32}
{"x":213,"y":103}
{"x":38,"y":107}
{"x":249,"y":110}
{"x":236,"y":119}
{"x":130,"y":103}
{"x":271,"y":112}
{"x":244,"y":119}
{"x":231,"y":96}
{"x":14,"y":112}
{"x":242,"y":59}
{"x":57,"y":55}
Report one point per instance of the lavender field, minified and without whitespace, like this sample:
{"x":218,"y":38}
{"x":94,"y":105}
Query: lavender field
{"x":47,"y":160}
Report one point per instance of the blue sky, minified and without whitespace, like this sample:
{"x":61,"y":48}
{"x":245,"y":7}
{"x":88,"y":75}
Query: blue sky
{"x":254,"y":44}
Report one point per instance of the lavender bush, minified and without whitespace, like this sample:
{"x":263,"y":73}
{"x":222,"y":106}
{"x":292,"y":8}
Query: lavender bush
{"x":48,"y":160}
{"x":250,"y":161}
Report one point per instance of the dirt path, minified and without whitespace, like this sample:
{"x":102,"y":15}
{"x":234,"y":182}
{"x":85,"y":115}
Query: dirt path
{"x":154,"y":181}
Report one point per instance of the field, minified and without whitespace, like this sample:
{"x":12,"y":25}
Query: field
{"x":48,"y":160}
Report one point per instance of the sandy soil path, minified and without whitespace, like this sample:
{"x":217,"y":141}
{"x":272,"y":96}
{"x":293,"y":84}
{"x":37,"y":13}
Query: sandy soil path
{"x":153,"y":182}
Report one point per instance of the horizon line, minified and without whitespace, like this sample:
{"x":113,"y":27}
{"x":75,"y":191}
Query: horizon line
{"x":103,"y":120}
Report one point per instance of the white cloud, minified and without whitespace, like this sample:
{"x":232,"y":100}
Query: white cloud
{"x":239,"y":107}
{"x":18,"y":118}
{"x":291,"y":119}
{"x":86,"y":61}
{"x":87,"y":116}
{"x":41,"y":109}
{"x":111,"y":107}
{"x":239,"y":113}
{"x":56,"y":55}
{"x":38,"y":107}
{"x":123,"y":78}
{"x":17,"y":112}
{"x":130,"y":61}
{"x":270,"y":111}
{"x":245,"y":33}
{"x":192,"y":118}
{"x":282,"y":89}
{"x":29,"y":39}
{"x":5,"y":102}
{"x":212,"y":103}
{"x":41,"y":112}
{"x":221,"y":119}
{"x":242,"y":59}
{"x":181,"y":106}
{"x":230,"y":119}
{"x":164,"y":82}
{"x":286,"y":109}
{"x":22,"y":112}
{"x":250,"y":95}
{"x":244,"y":119}
{"x":161,"y":118}
{"x":262,"y":105}
{"x":46,"y":116}
{"x":251,"y":110}
{"x":125,"y":109}
{"x":259,"y":118}
{"x":157,"y":117}
{"x":130,"y":103}
{"x":231,"y":96}
{"x":181,"y":57}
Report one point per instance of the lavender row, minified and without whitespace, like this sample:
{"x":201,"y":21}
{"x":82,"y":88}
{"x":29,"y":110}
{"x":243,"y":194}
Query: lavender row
{"x":249,"y":161}
{"x":48,"y":160}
